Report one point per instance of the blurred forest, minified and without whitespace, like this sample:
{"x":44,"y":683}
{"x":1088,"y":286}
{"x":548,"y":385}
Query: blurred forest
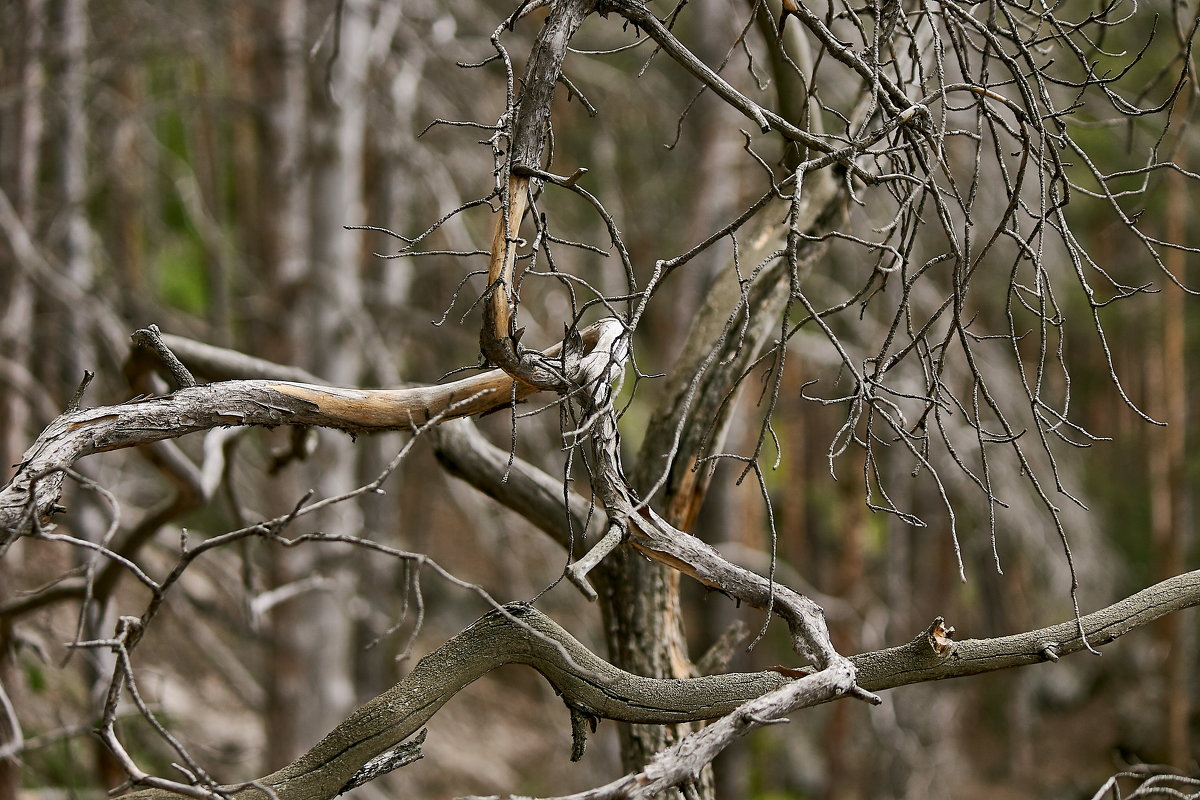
{"x":202,"y":166}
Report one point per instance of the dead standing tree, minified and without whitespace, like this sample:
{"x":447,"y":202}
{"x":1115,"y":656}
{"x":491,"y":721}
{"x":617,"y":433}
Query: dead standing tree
{"x":946,"y":98}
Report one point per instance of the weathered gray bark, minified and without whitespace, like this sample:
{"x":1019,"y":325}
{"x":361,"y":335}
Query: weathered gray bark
{"x":276,"y":192}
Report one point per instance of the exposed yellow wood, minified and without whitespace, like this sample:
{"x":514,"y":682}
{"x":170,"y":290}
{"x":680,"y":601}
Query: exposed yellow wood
{"x":504,"y":255}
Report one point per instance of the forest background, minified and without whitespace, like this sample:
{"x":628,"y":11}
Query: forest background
{"x":196,"y":165}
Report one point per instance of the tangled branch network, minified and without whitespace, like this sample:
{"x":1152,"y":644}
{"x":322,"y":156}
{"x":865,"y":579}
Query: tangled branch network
{"x":939,"y":178}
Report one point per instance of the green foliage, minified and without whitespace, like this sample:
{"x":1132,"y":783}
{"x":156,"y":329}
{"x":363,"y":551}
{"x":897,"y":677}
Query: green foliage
{"x":180,"y":278}
{"x":62,"y":764}
{"x":35,"y":678}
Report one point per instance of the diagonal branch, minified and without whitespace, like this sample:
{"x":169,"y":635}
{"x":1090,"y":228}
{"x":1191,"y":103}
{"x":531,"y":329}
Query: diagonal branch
{"x":513,"y":482}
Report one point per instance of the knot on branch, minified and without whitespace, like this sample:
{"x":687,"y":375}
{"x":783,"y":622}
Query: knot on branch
{"x":594,"y":372}
{"x":938,"y":636}
{"x":587,"y":362}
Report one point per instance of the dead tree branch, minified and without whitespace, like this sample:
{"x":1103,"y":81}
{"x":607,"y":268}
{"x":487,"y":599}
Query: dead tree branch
{"x":30,"y":497}
{"x":519,"y":634}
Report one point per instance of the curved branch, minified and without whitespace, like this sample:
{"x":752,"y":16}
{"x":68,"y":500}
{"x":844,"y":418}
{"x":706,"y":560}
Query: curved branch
{"x":516,"y":634}
{"x":30,"y":497}
{"x":519,"y":634}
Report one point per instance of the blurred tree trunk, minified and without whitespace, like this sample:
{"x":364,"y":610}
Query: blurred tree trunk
{"x":1171,"y":512}
{"x":22,"y":122}
{"x":397,"y":62}
{"x":127,"y":178}
{"x":75,"y":348}
{"x":208,"y":211}
{"x":333,"y":331}
{"x":274,"y":193}
{"x":301,"y":181}
{"x":25,"y":125}
{"x":338,"y":128}
{"x":275,"y":226}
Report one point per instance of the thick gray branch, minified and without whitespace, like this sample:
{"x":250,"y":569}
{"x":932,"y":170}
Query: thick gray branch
{"x":519,"y":634}
{"x":516,"y":635}
{"x":919,"y":660}
{"x":531,"y":125}
{"x":514,"y":483}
